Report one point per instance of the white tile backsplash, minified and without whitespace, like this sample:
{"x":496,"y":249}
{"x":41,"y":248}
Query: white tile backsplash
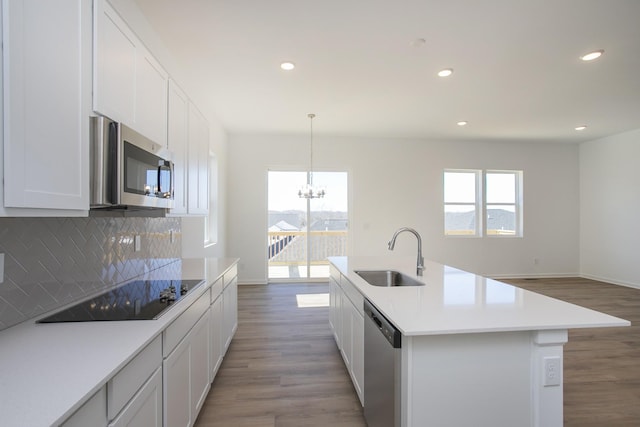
{"x":50,"y":262}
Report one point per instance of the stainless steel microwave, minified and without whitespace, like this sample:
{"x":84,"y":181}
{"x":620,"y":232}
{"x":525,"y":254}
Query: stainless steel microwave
{"x":128,"y":170}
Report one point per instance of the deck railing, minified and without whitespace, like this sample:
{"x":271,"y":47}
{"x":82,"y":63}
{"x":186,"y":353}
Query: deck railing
{"x":290,"y":247}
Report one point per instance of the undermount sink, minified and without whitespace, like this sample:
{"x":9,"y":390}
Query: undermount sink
{"x":387,"y":278}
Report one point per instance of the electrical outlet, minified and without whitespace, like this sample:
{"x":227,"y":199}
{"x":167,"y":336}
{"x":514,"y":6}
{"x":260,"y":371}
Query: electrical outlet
{"x":1,"y":268}
{"x":136,"y":243}
{"x":552,"y":371}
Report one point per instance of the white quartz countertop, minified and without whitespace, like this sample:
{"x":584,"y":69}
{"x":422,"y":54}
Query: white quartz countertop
{"x":47,"y":371}
{"x":453,"y":301}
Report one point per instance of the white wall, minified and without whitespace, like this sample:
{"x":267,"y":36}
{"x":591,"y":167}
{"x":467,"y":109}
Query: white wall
{"x":610,"y":209}
{"x":395,"y":183}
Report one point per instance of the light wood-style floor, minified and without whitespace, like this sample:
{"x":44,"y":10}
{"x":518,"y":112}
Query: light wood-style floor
{"x":283,"y":368}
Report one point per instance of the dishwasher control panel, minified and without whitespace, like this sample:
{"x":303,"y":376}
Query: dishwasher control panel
{"x":388,"y":330}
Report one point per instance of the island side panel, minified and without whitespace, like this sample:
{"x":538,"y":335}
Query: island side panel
{"x":468,"y":379}
{"x":547,"y":365}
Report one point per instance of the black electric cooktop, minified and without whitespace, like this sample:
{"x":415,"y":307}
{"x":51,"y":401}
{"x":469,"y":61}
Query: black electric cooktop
{"x":137,"y":300}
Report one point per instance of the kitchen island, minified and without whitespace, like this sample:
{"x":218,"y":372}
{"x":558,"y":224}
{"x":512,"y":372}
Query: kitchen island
{"x":475,"y":351}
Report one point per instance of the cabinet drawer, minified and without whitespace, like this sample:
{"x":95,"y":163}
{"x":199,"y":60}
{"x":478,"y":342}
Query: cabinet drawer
{"x":179,"y":328}
{"x":216,"y":289}
{"x":353,"y":294}
{"x":122,"y":387}
{"x":229,"y":275}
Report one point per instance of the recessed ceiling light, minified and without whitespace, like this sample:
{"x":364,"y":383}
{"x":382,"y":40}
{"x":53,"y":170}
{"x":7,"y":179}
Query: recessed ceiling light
{"x":446,"y":72}
{"x":462,"y":123}
{"x":581,"y":127}
{"x":592,"y":55}
{"x":287,"y":66}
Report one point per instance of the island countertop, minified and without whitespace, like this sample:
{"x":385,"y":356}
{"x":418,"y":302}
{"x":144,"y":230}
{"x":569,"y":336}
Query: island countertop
{"x":454,"y":301}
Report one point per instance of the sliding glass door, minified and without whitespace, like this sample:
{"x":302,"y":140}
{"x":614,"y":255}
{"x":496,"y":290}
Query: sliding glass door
{"x":302,"y":232}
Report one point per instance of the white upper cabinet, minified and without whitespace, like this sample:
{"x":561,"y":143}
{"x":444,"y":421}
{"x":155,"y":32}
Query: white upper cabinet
{"x":198,"y":163}
{"x":46,"y":78}
{"x":130,"y":86}
{"x":178,"y":142}
{"x":152,"y":83}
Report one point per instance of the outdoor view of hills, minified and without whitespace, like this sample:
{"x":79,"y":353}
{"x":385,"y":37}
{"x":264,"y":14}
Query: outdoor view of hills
{"x":497,"y":219}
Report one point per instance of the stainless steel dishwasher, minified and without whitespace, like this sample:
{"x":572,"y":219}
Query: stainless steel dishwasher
{"x":382,"y":344}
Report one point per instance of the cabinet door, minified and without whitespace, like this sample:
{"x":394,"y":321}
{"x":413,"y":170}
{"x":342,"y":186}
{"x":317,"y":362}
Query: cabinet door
{"x":199,"y":337}
{"x":334,"y":314}
{"x":347,"y":331}
{"x":47,"y":92}
{"x":152,"y":83}
{"x":216,"y":336}
{"x":145,"y":408}
{"x":130,"y":86}
{"x":177,"y":139}
{"x":357,"y":359}
{"x":114,"y":67}
{"x":198,"y":162}
{"x":338,"y":316}
{"x":176,"y":382}
{"x":230,"y":311}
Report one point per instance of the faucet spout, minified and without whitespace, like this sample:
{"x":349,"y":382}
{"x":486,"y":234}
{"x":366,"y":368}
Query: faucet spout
{"x":392,"y":244}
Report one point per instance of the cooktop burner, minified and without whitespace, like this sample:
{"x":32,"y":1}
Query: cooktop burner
{"x":137,"y":300}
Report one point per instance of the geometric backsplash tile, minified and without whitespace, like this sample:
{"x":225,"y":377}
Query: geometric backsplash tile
{"x":50,"y":262}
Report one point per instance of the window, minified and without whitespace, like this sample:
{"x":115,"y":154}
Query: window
{"x":478,"y":203}
{"x":461,"y":202}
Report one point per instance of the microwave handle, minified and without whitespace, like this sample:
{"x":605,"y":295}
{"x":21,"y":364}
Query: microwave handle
{"x":162,"y":164}
{"x":113,"y":178}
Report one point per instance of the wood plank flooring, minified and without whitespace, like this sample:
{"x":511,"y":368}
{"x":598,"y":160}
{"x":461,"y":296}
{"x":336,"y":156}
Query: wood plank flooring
{"x":283,"y":368}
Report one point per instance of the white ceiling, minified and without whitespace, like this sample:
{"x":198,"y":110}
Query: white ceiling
{"x":517,"y":73}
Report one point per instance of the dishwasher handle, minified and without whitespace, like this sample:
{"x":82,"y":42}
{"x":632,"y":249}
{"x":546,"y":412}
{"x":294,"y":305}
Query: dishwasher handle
{"x":390,"y":332}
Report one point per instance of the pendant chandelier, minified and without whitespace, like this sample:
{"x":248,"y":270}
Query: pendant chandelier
{"x":309,"y":191}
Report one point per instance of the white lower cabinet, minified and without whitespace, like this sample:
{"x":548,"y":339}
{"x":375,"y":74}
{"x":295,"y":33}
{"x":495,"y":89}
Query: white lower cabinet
{"x":176,"y":386}
{"x":230,"y":311}
{"x":346,"y":317}
{"x":216,"y":336}
{"x":145,"y":408}
{"x":199,"y":361}
{"x":186,"y":365}
{"x":335,"y":310}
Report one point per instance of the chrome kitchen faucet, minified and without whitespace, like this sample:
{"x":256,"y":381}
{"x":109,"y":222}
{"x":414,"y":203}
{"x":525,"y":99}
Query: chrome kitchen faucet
{"x":392,"y":244}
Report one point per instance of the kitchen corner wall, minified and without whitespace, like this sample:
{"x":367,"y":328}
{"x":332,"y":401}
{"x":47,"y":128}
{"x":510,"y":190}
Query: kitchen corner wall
{"x":50,"y":262}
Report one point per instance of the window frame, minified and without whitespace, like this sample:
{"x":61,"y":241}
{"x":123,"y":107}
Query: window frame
{"x":477,"y":203}
{"x":517,"y":203}
{"x":482,"y":206}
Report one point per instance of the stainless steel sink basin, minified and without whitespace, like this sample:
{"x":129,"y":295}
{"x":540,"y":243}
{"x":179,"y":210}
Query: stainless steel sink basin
{"x":387,"y":278}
